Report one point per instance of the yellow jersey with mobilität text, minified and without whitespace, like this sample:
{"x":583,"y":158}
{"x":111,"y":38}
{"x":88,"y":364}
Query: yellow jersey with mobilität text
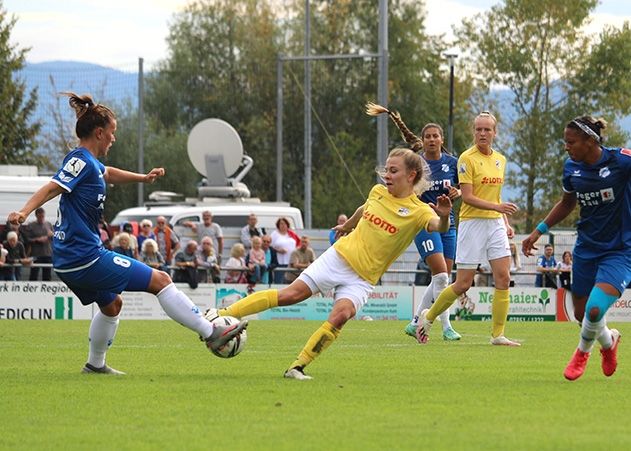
{"x":386,"y":229}
{"x":486,"y":174}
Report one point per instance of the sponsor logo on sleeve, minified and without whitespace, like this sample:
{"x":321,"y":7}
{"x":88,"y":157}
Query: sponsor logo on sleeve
{"x":65,"y":178}
{"x":74,"y":166}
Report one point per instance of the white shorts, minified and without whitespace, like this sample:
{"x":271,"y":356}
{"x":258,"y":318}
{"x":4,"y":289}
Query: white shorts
{"x":480,"y":241}
{"x":331,"y":272}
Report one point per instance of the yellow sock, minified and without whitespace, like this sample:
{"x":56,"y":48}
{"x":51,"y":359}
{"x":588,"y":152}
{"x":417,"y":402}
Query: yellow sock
{"x":500,"y":311}
{"x":444,"y":301}
{"x":254,"y":303}
{"x":317,"y":343}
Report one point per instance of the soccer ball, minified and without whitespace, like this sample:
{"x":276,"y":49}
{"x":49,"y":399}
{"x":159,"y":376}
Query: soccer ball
{"x":234,"y":346}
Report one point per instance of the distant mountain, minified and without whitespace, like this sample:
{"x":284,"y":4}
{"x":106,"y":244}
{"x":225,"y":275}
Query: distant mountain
{"x":105,"y":84}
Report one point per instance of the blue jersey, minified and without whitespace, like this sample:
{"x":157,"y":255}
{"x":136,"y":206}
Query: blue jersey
{"x":444,"y":173}
{"x":603,"y":192}
{"x":76,"y":238}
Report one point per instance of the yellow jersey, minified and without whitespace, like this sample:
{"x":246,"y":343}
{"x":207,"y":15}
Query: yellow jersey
{"x":386,"y":229}
{"x":486,"y":174}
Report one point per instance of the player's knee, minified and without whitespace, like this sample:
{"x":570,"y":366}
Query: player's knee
{"x":579,"y":314}
{"x":159,"y":280}
{"x":113,"y":308}
{"x":342,"y":312}
{"x":594,"y":314}
{"x":441,"y":280}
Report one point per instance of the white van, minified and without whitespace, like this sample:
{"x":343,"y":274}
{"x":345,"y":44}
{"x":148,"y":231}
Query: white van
{"x":229,"y":215}
{"x":16,"y":190}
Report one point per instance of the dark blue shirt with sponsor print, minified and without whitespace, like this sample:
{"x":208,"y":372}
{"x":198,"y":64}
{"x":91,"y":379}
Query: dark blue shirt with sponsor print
{"x":444,"y":173}
{"x":603,"y":192}
{"x":76,"y":238}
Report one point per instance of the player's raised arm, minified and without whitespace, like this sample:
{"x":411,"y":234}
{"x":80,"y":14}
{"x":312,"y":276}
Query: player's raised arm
{"x":47,"y":192}
{"x":119,"y":176}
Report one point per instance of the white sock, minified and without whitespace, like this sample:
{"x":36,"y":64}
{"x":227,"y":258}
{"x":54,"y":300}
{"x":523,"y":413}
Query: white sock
{"x":605,"y":339}
{"x":440,"y":281}
{"x":426,"y":302}
{"x":589,"y":332}
{"x":181,"y":309}
{"x":102,"y":332}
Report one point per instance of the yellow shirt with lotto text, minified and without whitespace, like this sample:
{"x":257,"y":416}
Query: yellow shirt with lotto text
{"x":486,"y":174}
{"x":386,"y":229}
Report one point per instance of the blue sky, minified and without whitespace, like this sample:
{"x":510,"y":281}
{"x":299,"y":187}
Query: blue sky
{"x":116,"y":33}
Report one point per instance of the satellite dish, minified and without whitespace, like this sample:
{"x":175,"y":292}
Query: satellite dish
{"x":217,"y":138}
{"x":216,"y":152}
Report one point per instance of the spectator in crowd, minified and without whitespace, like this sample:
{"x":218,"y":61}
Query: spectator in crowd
{"x":300,"y":259}
{"x":145,"y":231}
{"x":271,"y":259}
{"x":5,"y":274}
{"x":39,"y":235}
{"x":104,"y":233}
{"x":150,"y":255}
{"x":238,"y":270}
{"x":515,"y":262}
{"x":208,"y":268}
{"x":341,"y":219}
{"x":186,"y":264}
{"x":124,"y":245}
{"x":250,"y":230}
{"x":284,"y":245}
{"x":255,"y":260}
{"x":167,"y":239}
{"x":208,"y":228}
{"x":546,"y":268}
{"x":16,"y":255}
{"x":564,"y":268}
{"x":127,"y":228}
{"x":10,"y":227}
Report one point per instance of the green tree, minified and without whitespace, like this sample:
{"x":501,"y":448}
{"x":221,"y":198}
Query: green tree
{"x":17,"y":132}
{"x":548,"y":66}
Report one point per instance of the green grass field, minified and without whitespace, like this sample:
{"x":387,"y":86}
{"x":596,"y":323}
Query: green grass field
{"x":375,"y":388}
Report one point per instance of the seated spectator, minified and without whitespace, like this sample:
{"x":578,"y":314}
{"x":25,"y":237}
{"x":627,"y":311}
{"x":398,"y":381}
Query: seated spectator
{"x":145,"y":232}
{"x":564,"y":269}
{"x":186,"y":264}
{"x":124,"y":245}
{"x":341,"y":219}
{"x":3,"y":259}
{"x":150,"y":255}
{"x":236,"y":261}
{"x":300,"y":259}
{"x":250,"y":230}
{"x":127,"y":228}
{"x":256,"y":260}
{"x":207,"y":265}
{"x":16,"y":255}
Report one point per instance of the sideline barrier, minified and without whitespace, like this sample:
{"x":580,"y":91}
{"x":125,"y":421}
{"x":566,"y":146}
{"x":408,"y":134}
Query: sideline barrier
{"x":54,"y":301}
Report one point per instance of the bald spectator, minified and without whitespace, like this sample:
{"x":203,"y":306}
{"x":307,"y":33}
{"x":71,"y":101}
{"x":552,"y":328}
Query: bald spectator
{"x":341,"y":219}
{"x":186,"y":264}
{"x":250,"y":231}
{"x":302,"y":257}
{"x":208,"y":228}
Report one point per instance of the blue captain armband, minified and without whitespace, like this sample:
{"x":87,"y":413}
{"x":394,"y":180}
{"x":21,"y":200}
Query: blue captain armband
{"x":542,"y":227}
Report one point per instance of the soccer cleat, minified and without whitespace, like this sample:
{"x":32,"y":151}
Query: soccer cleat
{"x":576,"y":367}
{"x":410,"y":329}
{"x":91,"y":369}
{"x":422,"y":331}
{"x":503,"y":341}
{"x":451,"y":335}
{"x":222,"y":334}
{"x":609,"y":357}
{"x":297,"y":373}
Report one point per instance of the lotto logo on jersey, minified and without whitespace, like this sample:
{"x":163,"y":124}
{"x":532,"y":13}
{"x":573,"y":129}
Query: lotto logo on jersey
{"x":380,"y":222}
{"x":74,"y":166}
{"x":492,"y":180}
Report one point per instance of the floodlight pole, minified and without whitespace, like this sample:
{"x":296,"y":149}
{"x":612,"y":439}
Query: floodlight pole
{"x":141,"y":131}
{"x":382,"y":88}
{"x":307,"y":109}
{"x":451,"y":57}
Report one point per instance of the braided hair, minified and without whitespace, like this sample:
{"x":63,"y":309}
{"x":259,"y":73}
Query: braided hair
{"x":589,"y":126}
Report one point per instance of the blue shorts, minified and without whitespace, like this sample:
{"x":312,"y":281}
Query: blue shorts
{"x":613,"y":268}
{"x":107,"y":277}
{"x":429,"y":243}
